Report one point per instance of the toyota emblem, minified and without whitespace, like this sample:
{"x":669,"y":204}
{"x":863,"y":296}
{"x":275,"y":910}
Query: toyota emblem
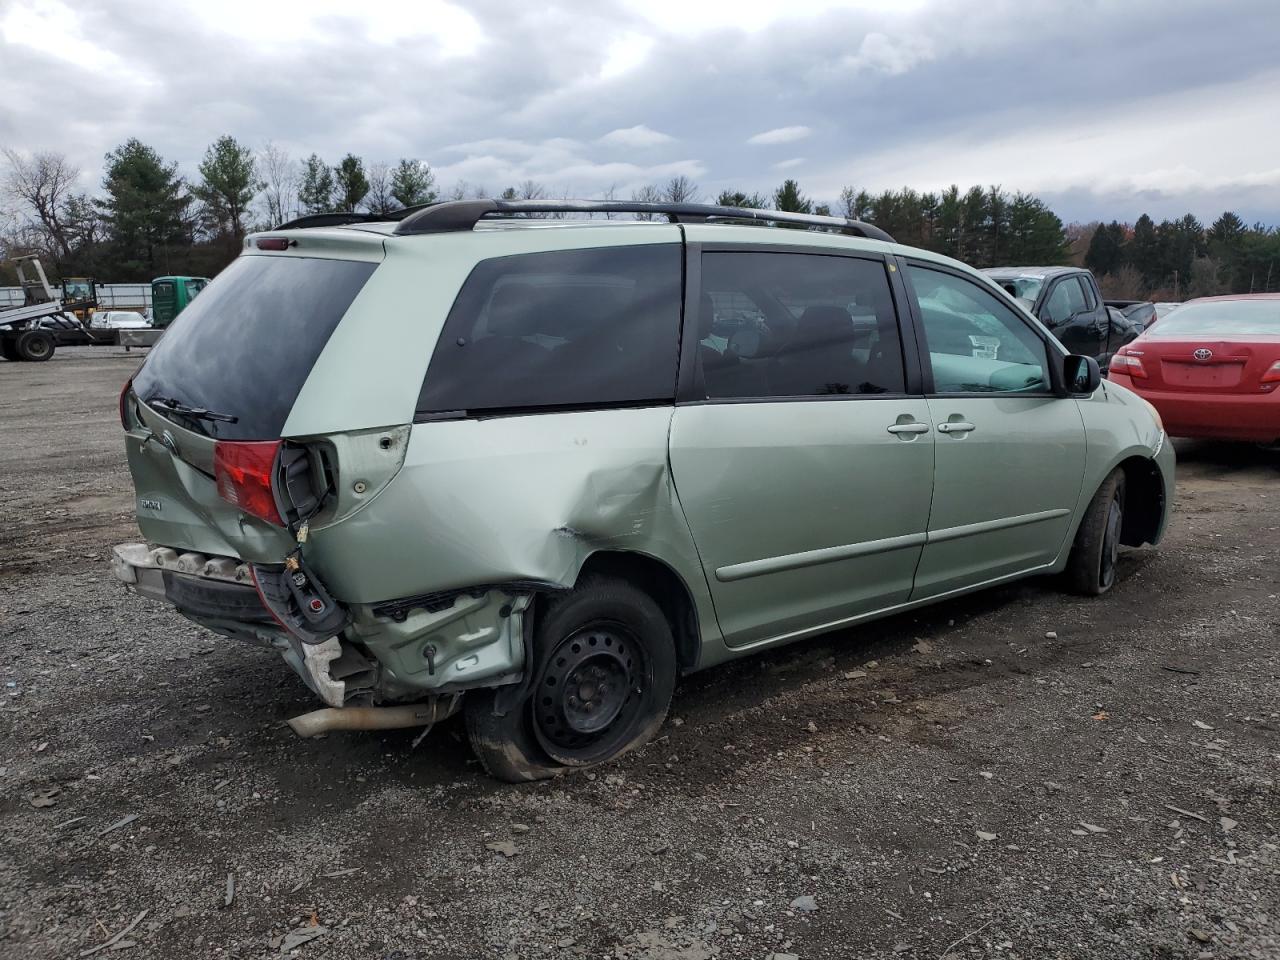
{"x":1204,"y":353}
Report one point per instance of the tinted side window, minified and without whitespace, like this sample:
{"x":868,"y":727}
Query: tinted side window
{"x":571,"y":328}
{"x":796,"y":325}
{"x":1065,"y":300}
{"x":976,"y":344}
{"x":1090,"y":301}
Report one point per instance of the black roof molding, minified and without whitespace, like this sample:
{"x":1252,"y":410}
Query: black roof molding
{"x":460,"y":215}
{"x":327,"y":220}
{"x":338,"y":219}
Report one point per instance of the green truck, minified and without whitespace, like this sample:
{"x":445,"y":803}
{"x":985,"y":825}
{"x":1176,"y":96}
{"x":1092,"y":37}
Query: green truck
{"x":171,"y":295}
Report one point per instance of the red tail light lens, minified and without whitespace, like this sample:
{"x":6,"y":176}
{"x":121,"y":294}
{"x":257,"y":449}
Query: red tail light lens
{"x":275,"y":243}
{"x":1129,"y":366}
{"x":1272,"y":375}
{"x":243,"y":473}
{"x":122,"y":405}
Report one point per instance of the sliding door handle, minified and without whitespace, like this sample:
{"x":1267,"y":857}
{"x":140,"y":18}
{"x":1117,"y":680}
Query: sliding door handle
{"x":956,"y":426}
{"x":914,"y":427}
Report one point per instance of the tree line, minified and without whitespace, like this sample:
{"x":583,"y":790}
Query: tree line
{"x":149,"y":219}
{"x":1179,"y":259}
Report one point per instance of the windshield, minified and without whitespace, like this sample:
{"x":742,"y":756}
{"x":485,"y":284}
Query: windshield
{"x":1027,"y":288}
{"x":1214,"y":320}
{"x":246,"y":345}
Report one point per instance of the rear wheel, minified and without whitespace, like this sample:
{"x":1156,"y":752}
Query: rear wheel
{"x":1091,"y":568}
{"x":605,"y":668}
{"x":35,"y":345}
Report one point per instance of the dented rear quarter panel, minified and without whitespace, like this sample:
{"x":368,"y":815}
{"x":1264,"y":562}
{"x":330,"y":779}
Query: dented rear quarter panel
{"x":483,"y":501}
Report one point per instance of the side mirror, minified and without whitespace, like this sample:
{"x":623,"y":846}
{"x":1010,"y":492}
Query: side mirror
{"x":1080,"y":375}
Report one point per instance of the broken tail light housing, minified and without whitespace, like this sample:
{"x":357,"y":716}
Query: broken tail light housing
{"x":243,"y":473}
{"x":1129,"y":366}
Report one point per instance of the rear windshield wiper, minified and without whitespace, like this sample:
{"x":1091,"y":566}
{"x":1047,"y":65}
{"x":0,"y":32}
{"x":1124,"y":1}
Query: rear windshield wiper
{"x":195,"y":413}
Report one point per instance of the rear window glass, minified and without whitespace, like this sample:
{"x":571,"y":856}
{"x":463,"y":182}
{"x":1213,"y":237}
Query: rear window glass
{"x":244,"y":347}
{"x":1225,"y":318}
{"x":572,"y":328}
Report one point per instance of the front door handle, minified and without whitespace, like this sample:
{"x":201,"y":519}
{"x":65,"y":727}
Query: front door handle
{"x":913,"y":426}
{"x":956,"y":426}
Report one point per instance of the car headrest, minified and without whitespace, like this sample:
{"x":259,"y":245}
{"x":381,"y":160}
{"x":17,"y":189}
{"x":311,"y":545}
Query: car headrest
{"x":823,"y":324}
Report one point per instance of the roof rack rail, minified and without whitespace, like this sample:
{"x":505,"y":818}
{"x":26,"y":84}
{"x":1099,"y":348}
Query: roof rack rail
{"x":459,"y":215}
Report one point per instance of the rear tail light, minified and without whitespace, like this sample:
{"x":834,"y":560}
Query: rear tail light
{"x":123,"y":404}
{"x":1272,"y":375}
{"x":243,"y":473}
{"x":1129,"y":366}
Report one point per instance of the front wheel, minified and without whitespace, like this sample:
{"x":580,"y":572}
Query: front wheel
{"x":605,"y":669}
{"x":1091,"y":568}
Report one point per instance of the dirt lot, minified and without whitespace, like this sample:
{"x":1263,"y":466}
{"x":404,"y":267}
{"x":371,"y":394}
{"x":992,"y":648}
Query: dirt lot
{"x":1017,"y":774}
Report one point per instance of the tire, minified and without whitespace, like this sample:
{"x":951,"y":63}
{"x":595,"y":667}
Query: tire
{"x":35,"y":345}
{"x":605,"y":669}
{"x":9,"y":348}
{"x":1091,"y":568}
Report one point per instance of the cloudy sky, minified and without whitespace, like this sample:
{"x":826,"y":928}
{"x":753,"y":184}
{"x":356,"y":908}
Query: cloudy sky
{"x":1107,"y":109}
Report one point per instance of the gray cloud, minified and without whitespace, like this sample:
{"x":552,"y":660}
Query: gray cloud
{"x":1107,"y":109}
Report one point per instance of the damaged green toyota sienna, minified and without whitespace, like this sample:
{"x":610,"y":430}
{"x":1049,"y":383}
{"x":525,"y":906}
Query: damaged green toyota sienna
{"x":465,"y":458}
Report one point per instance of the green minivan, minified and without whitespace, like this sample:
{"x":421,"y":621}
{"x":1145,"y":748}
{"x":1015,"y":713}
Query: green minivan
{"x":534,"y":470}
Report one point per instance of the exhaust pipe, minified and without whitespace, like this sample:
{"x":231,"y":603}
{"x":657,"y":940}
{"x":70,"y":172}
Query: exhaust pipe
{"x":318,"y":722}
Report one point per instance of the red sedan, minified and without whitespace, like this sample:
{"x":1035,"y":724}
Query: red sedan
{"x":1211,"y":368}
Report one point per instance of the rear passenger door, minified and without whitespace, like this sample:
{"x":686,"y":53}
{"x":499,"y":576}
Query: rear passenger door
{"x":801,"y":446}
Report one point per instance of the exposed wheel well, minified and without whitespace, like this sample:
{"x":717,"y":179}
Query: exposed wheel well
{"x":1144,"y":504}
{"x":666,"y":587}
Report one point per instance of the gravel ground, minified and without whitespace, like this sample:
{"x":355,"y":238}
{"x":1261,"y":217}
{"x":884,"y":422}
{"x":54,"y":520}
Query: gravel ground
{"x":1020,"y":773}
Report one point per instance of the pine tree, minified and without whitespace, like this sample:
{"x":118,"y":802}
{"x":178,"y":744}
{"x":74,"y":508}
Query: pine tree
{"x":350,"y":183}
{"x":315,"y":187}
{"x":145,"y":211}
{"x":1106,"y":253}
{"x":413,"y":183}
{"x":228,"y":184}
{"x":788,"y":198}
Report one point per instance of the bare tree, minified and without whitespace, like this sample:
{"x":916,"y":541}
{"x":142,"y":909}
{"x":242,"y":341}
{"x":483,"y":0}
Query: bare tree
{"x":680,"y":190}
{"x":39,"y":185}
{"x":1123,"y":284}
{"x":609,"y":195}
{"x":279,"y":183}
{"x":647,"y":194}
{"x":379,"y":199}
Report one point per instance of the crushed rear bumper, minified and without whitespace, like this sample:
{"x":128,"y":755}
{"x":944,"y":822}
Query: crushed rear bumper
{"x":393,"y":652}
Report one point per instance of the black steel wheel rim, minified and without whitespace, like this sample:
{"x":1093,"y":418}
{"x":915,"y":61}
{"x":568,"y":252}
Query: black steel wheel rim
{"x":590,"y":692}
{"x":38,"y":347}
{"x":1111,"y":543}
